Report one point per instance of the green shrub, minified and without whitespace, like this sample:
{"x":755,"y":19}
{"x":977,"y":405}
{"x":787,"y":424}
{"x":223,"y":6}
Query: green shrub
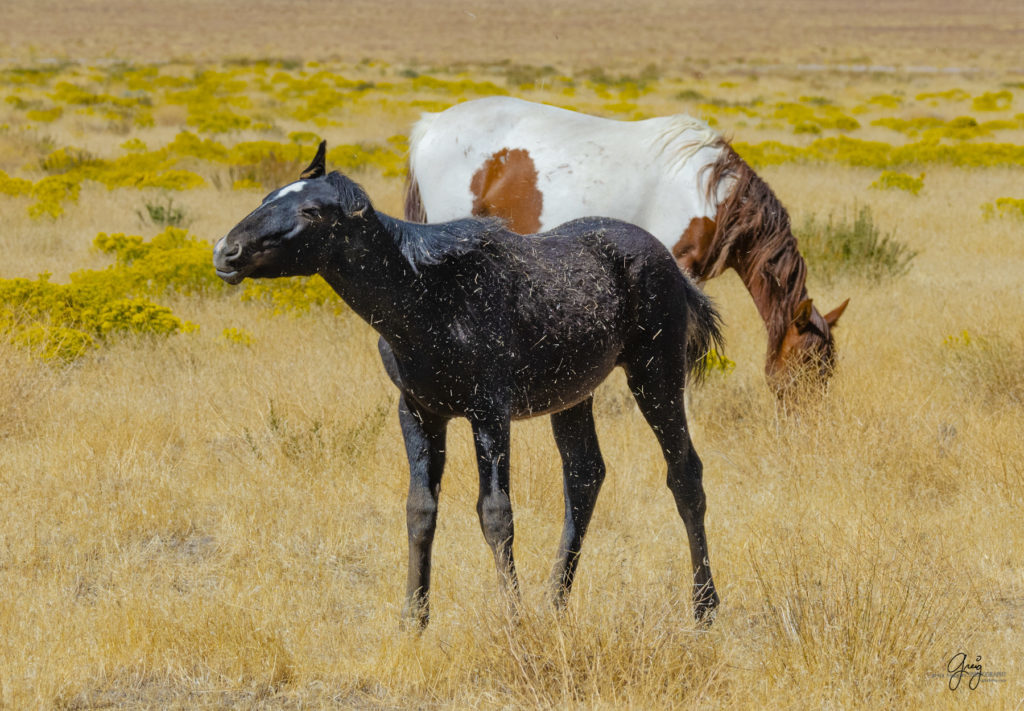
{"x":163,"y":213}
{"x":689,"y":95}
{"x":841,"y":247}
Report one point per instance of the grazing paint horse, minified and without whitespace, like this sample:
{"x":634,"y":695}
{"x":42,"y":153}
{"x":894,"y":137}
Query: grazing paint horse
{"x":479,"y":322}
{"x":537,"y":166}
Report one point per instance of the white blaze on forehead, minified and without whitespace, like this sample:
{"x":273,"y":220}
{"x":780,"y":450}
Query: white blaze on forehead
{"x":295,"y":187}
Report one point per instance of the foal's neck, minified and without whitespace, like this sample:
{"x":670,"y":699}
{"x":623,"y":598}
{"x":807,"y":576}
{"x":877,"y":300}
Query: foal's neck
{"x":369,"y":272}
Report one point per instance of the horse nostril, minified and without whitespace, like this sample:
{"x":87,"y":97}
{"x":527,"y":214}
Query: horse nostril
{"x":233,"y":252}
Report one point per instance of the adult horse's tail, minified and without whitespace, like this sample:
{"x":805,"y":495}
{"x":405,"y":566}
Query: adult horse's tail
{"x":414,"y":211}
{"x":703,"y":330}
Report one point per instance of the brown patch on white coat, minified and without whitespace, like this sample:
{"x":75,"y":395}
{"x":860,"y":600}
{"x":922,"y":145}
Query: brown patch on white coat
{"x":692,"y":249}
{"x":506,"y":186}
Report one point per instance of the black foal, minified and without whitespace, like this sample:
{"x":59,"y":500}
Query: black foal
{"x":479,"y":322}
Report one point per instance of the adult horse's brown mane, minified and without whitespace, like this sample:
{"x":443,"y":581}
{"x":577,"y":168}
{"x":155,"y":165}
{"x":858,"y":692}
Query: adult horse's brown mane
{"x":753,"y":235}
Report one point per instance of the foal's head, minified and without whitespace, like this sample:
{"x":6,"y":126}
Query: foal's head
{"x":288,"y":234}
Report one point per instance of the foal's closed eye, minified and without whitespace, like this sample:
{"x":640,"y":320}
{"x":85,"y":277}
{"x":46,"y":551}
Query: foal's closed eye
{"x":310,"y":212}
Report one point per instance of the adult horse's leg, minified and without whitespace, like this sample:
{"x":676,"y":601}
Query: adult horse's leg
{"x":424,"y":436}
{"x":582,"y":473}
{"x":493,"y":505}
{"x":659,"y":393}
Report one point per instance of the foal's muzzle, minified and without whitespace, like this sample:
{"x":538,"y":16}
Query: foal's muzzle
{"x":226,"y":259}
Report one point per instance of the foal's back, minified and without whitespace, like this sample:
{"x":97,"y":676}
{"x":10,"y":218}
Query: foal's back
{"x":592,"y":282}
{"x":547,"y":317}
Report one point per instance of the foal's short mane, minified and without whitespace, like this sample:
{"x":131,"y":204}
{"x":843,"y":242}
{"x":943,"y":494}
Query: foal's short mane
{"x":421,"y":245}
{"x":424,"y":245}
{"x":753,"y":229}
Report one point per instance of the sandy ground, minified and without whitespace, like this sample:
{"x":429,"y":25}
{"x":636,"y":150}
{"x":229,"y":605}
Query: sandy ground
{"x":602,"y":33}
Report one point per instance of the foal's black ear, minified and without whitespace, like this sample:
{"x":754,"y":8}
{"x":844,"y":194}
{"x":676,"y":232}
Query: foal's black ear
{"x":319,"y":165}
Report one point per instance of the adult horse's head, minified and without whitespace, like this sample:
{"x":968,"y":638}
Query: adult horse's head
{"x":289,"y":233}
{"x":806,"y":350}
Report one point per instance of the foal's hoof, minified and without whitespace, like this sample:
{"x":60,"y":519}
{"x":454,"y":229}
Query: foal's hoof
{"x":414,"y":618}
{"x":705,"y":608}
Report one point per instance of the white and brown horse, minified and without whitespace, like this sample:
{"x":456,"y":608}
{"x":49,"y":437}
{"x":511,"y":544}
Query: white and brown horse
{"x":538,"y":166}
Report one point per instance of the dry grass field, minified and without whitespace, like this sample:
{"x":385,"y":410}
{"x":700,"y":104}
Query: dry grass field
{"x":203,"y":486}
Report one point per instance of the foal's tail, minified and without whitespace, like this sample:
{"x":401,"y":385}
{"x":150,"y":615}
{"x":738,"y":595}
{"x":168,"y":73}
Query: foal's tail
{"x":703,"y":330}
{"x":414,"y":211}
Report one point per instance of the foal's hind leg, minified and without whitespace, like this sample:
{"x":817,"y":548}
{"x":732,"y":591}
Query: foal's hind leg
{"x":424,"y":436}
{"x":582,"y":473}
{"x":659,"y":393}
{"x":494,"y":506}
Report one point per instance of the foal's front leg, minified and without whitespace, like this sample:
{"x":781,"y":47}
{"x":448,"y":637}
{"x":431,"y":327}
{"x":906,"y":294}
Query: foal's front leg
{"x":424,"y":436}
{"x":491,"y":437}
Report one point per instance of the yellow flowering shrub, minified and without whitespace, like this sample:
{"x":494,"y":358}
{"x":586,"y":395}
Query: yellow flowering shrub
{"x":74,"y":95}
{"x":238,"y":335}
{"x":173,"y":261}
{"x":67,"y":159}
{"x":53,"y":342}
{"x":44,"y":115}
{"x":1004,"y":207}
{"x":813,"y":118}
{"x":951,"y":95}
{"x":304,"y":138}
{"x":887,"y":101}
{"x":456,"y":87}
{"x":14,"y":186}
{"x":39,"y":75}
{"x":877,"y":154}
{"x":715,"y":362}
{"x":961,"y":128}
{"x":70,"y":167}
{"x":246,"y":184}
{"x":296,"y":295}
{"x":720,"y":108}
{"x":134,"y":145}
{"x":132,"y":107}
{"x":993,"y":101}
{"x":891,"y":180}
{"x":210,"y":120}
{"x":64,"y":321}
{"x":958,"y":340}
{"x":166,"y":180}
{"x":50,"y":194}
{"x":909,"y":127}
{"x":390,"y":159}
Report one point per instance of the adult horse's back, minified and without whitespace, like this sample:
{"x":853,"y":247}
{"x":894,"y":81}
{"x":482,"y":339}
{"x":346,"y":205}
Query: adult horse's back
{"x":538,"y":166}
